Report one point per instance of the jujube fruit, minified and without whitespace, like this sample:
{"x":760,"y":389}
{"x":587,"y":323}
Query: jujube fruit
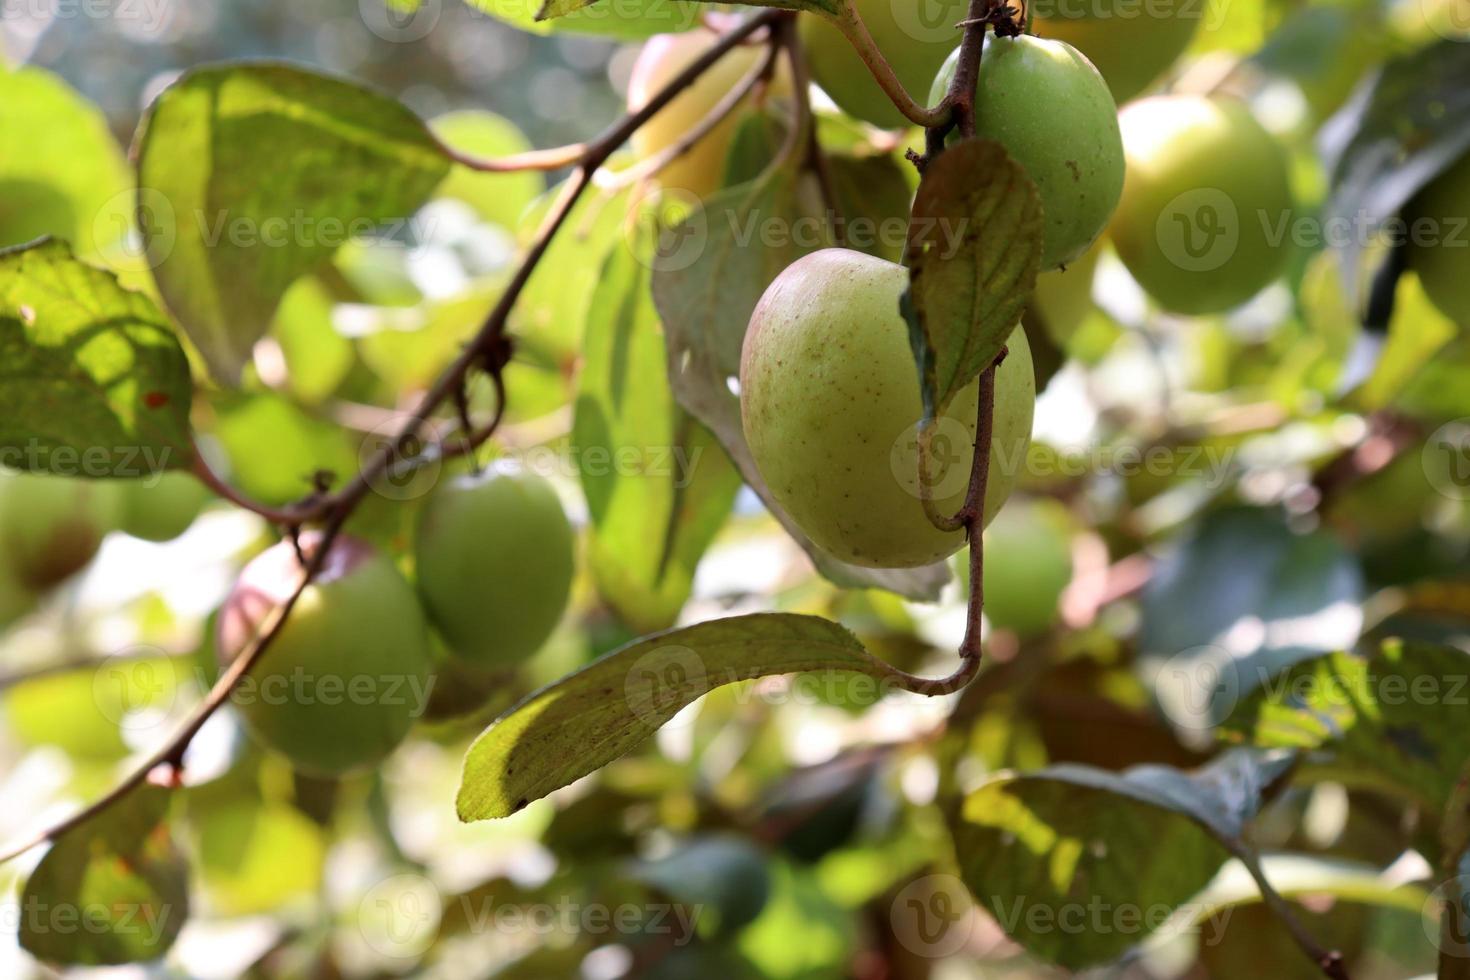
{"x":1047,"y":105}
{"x":829,"y":397}
{"x":701,"y":170}
{"x":494,"y":563}
{"x":346,"y":675}
{"x":1204,"y":219}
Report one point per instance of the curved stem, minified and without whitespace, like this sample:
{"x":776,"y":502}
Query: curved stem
{"x":718,"y":114}
{"x":286,"y":516}
{"x":552,"y":158}
{"x":850,"y":23}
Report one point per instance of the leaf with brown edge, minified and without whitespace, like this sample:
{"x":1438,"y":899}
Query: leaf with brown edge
{"x":591,"y":717}
{"x":974,"y":253}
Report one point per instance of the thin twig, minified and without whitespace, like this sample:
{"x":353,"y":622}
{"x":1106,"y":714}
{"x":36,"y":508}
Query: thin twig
{"x":336,"y":508}
{"x":552,"y":158}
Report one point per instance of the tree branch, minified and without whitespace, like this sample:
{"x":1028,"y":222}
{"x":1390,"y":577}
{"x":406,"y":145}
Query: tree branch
{"x":335,"y":508}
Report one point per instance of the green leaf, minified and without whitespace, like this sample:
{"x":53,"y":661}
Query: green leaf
{"x":658,"y":486}
{"x":974,"y":253}
{"x":113,"y":890}
{"x":552,"y":9}
{"x":1395,"y":137}
{"x":317,"y":358}
{"x":722,"y":874}
{"x":624,"y":19}
{"x":1397,"y":718}
{"x":1417,"y":332}
{"x":1042,"y":849}
{"x":873,"y":203}
{"x":1239,"y":600}
{"x":95,"y":381}
{"x":589,"y":718}
{"x":252,"y":174}
{"x":62,"y":173}
{"x":254,"y":856}
{"x":710,"y":272}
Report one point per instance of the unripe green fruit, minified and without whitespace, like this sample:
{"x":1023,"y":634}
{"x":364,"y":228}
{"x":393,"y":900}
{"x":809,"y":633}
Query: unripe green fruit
{"x":51,"y":526}
{"x":1063,"y":297}
{"x":344,"y":679}
{"x":1131,"y":45}
{"x":914,"y":50}
{"x":1050,"y":109}
{"x":1441,"y":210}
{"x":1028,"y":563}
{"x":829,"y":397}
{"x":494,"y":564}
{"x":1207,"y":204}
{"x":701,"y":170}
{"x":162,"y":510}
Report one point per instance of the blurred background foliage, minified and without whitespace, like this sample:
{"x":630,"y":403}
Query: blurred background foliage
{"x":1265,"y":485}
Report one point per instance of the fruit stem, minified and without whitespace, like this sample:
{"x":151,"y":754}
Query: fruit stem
{"x":850,"y":23}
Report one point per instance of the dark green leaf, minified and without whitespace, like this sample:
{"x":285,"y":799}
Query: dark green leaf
{"x":112,"y":890}
{"x":252,"y":174}
{"x":723,"y":875}
{"x":95,"y":381}
{"x":1044,"y":849}
{"x":1396,"y":719}
{"x":708,"y":276}
{"x":589,"y":718}
{"x":974,"y":252}
{"x":658,"y":486}
{"x":1395,"y":137}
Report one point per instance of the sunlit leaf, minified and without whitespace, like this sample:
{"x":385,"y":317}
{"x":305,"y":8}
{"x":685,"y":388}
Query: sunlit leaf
{"x":95,"y":381}
{"x":588,"y":718}
{"x":252,"y":174}
{"x":112,"y":890}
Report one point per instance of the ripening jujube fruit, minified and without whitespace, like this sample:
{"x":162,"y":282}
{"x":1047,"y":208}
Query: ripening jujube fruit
{"x":1131,"y":45}
{"x":161,"y":510}
{"x":829,"y":398}
{"x":493,"y":560}
{"x":1051,"y":110}
{"x":837,"y":68}
{"x":51,"y":526}
{"x":1028,"y":564}
{"x":1204,"y":221}
{"x":1442,"y":259}
{"x":700,"y":170}
{"x":345,"y":677}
